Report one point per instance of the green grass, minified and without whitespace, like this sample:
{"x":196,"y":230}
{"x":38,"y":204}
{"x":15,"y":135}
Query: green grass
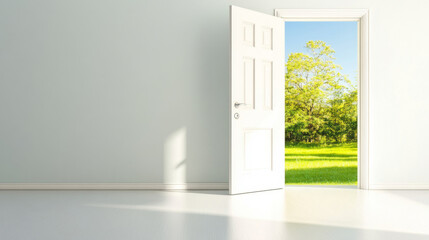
{"x":331,"y":164}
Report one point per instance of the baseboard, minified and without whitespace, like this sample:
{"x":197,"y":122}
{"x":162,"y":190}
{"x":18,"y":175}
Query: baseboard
{"x":113,"y":186}
{"x":399,"y":186}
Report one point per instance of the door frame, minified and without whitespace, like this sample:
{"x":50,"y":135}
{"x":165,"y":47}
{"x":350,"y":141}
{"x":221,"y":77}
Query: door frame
{"x":362,"y":17}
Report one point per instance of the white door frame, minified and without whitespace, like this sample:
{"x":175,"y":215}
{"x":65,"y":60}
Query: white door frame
{"x":362,"y":17}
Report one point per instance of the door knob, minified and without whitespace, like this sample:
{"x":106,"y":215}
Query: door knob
{"x":237,"y":105}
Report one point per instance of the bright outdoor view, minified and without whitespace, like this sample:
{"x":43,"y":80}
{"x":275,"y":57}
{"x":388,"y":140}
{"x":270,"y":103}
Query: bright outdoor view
{"x":321,"y":102}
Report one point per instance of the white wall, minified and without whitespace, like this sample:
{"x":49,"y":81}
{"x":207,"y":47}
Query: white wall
{"x":136,"y":91}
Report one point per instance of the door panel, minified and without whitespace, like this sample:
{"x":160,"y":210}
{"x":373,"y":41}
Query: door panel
{"x":256,"y":102}
{"x":258,"y":149}
{"x":248,"y":82}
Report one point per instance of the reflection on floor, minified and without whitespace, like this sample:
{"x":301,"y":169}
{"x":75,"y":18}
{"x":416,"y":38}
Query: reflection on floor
{"x":296,"y":212}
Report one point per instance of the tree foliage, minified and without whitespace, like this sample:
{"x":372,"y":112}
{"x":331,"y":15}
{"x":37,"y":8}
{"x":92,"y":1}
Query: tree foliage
{"x":321,"y":103}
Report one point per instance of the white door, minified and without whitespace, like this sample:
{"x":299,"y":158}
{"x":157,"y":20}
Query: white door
{"x":257,"y":102}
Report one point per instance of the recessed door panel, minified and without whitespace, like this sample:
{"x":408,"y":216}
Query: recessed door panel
{"x":248,"y":82}
{"x":258,"y":149}
{"x":267,"y":37}
{"x":248,"y":34}
{"x":267,"y":84}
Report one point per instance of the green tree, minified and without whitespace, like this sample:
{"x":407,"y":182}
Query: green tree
{"x":320,"y":101}
{"x":341,"y":118}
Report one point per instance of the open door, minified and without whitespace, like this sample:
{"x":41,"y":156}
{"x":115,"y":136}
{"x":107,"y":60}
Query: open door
{"x":256,"y":102}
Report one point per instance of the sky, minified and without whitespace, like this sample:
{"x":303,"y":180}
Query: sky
{"x":341,"y":36}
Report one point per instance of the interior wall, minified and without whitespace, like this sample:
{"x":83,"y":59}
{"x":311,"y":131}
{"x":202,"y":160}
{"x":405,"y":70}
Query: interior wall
{"x":137,"y":91}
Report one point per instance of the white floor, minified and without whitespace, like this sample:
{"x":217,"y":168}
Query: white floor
{"x":293,"y":213}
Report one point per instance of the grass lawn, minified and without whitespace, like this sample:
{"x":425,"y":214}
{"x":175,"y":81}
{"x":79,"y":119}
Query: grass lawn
{"x":332,"y":164}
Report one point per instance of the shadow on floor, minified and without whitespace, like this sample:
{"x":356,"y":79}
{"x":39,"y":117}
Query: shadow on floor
{"x":112,"y":215}
{"x":109,"y":223}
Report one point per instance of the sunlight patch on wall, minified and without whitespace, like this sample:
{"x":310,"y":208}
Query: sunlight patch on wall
{"x":175,"y":157}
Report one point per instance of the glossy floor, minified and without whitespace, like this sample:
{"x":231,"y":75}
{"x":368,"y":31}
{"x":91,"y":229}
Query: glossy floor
{"x":293,"y":213}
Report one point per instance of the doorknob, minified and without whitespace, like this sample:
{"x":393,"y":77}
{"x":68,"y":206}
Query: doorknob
{"x":237,"y":105}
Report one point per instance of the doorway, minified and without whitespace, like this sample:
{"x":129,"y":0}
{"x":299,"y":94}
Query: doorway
{"x":360,"y":17}
{"x":257,"y":95}
{"x":321,"y":102}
